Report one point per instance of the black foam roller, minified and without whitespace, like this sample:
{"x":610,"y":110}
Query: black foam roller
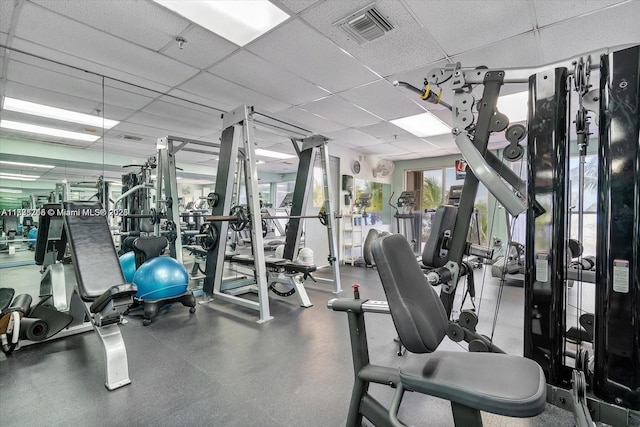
{"x":54,"y":319}
{"x":33,"y":329}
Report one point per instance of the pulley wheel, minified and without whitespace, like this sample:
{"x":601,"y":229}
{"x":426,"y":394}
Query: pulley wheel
{"x":515,"y":133}
{"x":455,"y":332}
{"x":478,"y":346}
{"x":468,"y":319}
{"x":513,"y":152}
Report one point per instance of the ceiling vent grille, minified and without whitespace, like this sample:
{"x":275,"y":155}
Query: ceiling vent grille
{"x":366,"y":24}
{"x":130,"y":138}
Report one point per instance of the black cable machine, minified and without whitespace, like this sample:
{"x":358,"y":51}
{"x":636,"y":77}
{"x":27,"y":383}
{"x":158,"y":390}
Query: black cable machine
{"x":616,"y":373}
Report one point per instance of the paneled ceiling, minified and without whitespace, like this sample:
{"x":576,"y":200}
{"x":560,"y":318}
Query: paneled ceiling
{"x":306,"y":71}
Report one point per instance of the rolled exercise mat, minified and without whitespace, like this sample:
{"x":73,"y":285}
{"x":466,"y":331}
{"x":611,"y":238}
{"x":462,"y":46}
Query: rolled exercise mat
{"x":33,"y":329}
{"x":54,"y":319}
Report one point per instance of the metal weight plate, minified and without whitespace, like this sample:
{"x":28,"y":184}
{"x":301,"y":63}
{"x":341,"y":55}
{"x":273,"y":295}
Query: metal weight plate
{"x":283,"y":290}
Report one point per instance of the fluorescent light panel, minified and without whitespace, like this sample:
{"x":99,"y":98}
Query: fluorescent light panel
{"x":514,"y":106}
{"x":238,"y":21}
{"x":43,"y":130}
{"x":28,"y":165}
{"x":422,"y":125}
{"x":17,"y":175}
{"x":17,"y":178}
{"x":34,"y":109}
{"x":273,"y":154}
{"x":10,"y":190}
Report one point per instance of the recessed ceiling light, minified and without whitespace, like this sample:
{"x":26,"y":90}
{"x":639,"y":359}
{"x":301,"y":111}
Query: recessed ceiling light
{"x":422,"y":125}
{"x":273,"y":154}
{"x":514,"y":106}
{"x":28,"y":165}
{"x":43,"y":130}
{"x":238,"y":21}
{"x":32,"y":108}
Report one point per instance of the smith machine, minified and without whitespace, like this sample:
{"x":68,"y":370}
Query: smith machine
{"x":236,"y":165}
{"x":613,"y":370}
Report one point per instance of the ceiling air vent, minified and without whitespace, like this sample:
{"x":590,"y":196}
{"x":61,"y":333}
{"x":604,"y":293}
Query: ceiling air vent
{"x":130,"y":138}
{"x":366,"y":24}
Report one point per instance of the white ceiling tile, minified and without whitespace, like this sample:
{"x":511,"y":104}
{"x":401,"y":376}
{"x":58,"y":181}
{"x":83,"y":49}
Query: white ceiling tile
{"x":213,"y":87}
{"x":170,"y":125}
{"x":383,"y":149}
{"x":6,"y":12}
{"x":465,"y":25}
{"x":415,"y":145}
{"x":58,"y":33}
{"x":199,"y":101}
{"x":199,"y":120}
{"x":523,"y":51}
{"x":354,"y":137}
{"x":297,"y":6}
{"x":624,"y":18}
{"x":202,"y":49}
{"x":340,"y":111}
{"x":383,"y":99}
{"x":117,"y":146}
{"x":309,"y":121}
{"x":308,"y":54}
{"x":405,"y":47}
{"x":141,"y":22}
{"x":387,"y":132}
{"x":548,"y":12}
{"x":249,"y":70}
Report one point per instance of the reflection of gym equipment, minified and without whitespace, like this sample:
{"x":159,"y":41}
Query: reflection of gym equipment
{"x":408,"y":222}
{"x":473,"y":382}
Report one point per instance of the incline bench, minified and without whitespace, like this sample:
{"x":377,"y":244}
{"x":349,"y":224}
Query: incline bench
{"x":100,"y":283}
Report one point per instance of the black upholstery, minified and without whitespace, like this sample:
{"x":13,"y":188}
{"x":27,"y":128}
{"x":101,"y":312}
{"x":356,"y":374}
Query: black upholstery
{"x":491,"y":382}
{"x":274,"y":263}
{"x":42,"y":244}
{"x":416,"y":309}
{"x":92,"y":250}
{"x":148,"y":247}
{"x":444,"y":220}
{"x":498,"y":383}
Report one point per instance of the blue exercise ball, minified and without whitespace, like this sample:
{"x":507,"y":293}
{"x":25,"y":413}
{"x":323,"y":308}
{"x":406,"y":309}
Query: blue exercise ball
{"x":32,"y":236}
{"x":128,"y":265}
{"x":161,"y":277}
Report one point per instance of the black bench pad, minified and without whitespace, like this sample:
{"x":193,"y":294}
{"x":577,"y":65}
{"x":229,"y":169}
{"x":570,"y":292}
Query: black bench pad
{"x":276,"y":263}
{"x":496,"y":383}
{"x":115,"y":292}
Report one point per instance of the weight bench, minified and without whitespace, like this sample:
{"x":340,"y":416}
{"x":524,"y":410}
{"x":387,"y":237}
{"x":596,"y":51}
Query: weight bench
{"x":282,"y":271}
{"x":100,"y":283}
{"x":472,"y":382}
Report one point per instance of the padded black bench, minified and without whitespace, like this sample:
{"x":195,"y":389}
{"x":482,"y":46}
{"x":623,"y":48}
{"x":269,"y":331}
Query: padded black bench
{"x":472,"y":382}
{"x":275,"y":264}
{"x":100,"y":282}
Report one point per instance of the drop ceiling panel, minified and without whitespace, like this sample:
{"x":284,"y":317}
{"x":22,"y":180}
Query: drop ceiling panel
{"x":338,"y":110}
{"x":56,"y":32}
{"x":414,"y":145}
{"x":519,"y":51}
{"x":208,"y":115}
{"x":624,"y":18}
{"x":189,"y":97}
{"x":149,"y":132}
{"x":308,"y":54}
{"x":128,"y":148}
{"x":382,"y":149}
{"x":405,"y":47}
{"x":309,"y":120}
{"x":297,"y":6}
{"x":188,"y":157}
{"x":387,"y":132}
{"x":465,"y":25}
{"x":549,"y":12}
{"x":169,"y":126}
{"x":202,"y":49}
{"x":6,"y":12}
{"x":187,"y":116}
{"x":144,"y":23}
{"x":75,"y":61}
{"x":249,"y":70}
{"x":226,"y":92}
{"x":353,"y":137}
{"x":383,"y":100}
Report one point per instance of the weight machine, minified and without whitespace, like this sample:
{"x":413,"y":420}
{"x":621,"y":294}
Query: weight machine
{"x":617,"y":342}
{"x":408,"y":222}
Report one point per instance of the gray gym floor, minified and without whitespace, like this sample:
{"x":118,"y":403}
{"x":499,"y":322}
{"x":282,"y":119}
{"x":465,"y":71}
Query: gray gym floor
{"x":218,"y":367}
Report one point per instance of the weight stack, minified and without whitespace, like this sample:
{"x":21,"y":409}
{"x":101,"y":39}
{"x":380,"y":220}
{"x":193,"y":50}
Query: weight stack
{"x":617,"y":333}
{"x":548,"y":163}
